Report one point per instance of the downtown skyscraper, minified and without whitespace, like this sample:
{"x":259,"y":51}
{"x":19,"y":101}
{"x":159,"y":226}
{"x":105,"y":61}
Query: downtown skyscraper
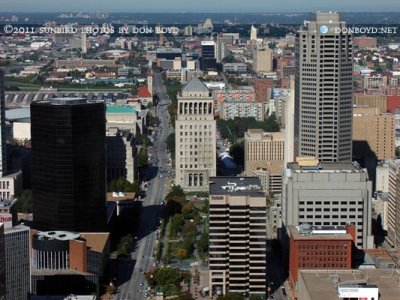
{"x":323,"y":89}
{"x":3,"y":156}
{"x":68,"y":164}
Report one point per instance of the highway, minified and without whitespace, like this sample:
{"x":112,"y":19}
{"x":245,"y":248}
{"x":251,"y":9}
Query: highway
{"x":134,"y":289}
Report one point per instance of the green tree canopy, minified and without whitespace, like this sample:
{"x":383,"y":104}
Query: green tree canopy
{"x":123,"y":185}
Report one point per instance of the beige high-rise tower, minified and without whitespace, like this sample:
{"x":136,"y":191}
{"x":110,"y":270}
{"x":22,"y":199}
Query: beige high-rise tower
{"x":253,"y":33}
{"x":323,"y":89}
{"x":195,"y":137}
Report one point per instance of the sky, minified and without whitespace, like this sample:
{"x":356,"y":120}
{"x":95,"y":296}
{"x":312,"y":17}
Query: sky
{"x":259,"y":6}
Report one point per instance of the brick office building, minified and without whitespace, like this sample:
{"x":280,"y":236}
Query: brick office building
{"x":319,"y":247}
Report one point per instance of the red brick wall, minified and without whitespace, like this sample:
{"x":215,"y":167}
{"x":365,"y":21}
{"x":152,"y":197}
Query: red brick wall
{"x":393,"y":102}
{"x":261,"y":87}
{"x":318,"y":254}
{"x":78,"y":255}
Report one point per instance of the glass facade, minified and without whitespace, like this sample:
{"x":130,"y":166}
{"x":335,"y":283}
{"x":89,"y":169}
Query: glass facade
{"x":68,"y":165}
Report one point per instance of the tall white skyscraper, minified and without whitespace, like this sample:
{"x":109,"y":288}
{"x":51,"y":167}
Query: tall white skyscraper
{"x":84,"y":43}
{"x":289,"y":124}
{"x":323,"y":89}
{"x":3,"y":156}
{"x":253,"y":33}
{"x":195,"y":139}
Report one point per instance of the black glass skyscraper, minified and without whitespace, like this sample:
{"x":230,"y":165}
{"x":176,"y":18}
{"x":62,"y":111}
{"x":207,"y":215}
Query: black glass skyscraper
{"x":3,"y":156}
{"x":68,"y":164}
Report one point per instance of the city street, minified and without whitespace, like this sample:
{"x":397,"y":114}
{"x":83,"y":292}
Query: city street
{"x":146,"y":235}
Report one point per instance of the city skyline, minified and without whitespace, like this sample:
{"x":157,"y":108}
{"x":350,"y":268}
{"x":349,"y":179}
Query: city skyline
{"x":235,"y":6}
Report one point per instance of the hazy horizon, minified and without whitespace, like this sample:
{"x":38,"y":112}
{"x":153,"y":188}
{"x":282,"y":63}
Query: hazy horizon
{"x":205,"y":6}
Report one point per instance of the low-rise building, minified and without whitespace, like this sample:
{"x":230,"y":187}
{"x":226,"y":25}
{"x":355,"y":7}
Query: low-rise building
{"x":241,"y":109}
{"x":68,"y":262}
{"x":348,"y":284}
{"x":262,"y":149}
{"x":319,"y":247}
{"x":271,"y":177}
{"x":377,"y":129}
{"x":235,"y":68}
{"x":11,"y":185}
{"x":122,"y":117}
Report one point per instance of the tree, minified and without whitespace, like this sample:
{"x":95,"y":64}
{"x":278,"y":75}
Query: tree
{"x":256,"y":297}
{"x":143,"y":158}
{"x":176,"y":224}
{"x":230,"y":296}
{"x":24,"y":203}
{"x":170,"y":141}
{"x":123,"y":185}
{"x":187,"y":210}
{"x":176,"y":191}
{"x":202,"y":243}
{"x":173,"y":207}
{"x":182,"y":253}
{"x":124,"y":245}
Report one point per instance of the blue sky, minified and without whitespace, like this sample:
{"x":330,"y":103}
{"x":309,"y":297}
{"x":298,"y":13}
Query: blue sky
{"x":198,"y":5}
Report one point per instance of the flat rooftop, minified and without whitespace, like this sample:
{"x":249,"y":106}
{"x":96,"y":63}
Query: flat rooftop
{"x":327,"y":166}
{"x":259,"y":134}
{"x":236,"y":186}
{"x":96,"y":241}
{"x":320,"y":233}
{"x":321,"y":284}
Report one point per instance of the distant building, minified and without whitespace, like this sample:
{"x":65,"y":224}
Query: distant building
{"x":84,"y":63}
{"x":188,"y":31}
{"x":65,"y":263}
{"x":262,"y":89}
{"x":376,"y":101}
{"x":195,"y":137}
{"x":348,"y":284}
{"x":377,"y":129}
{"x":261,"y":148}
{"x":235,"y":68}
{"x":68,"y":164}
{"x":328,"y":194}
{"x":168,"y":53}
{"x":208,"y":56}
{"x":84,"y":43}
{"x":319,"y":247}
{"x":364,"y":42}
{"x":17,"y":262}
{"x":242,"y":109}
{"x":262,"y":60}
{"x":144,"y":95}
{"x":227,"y":95}
{"x":374,"y":82}
{"x":237,"y":244}
{"x":394,"y":203}
{"x":253,"y":33}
